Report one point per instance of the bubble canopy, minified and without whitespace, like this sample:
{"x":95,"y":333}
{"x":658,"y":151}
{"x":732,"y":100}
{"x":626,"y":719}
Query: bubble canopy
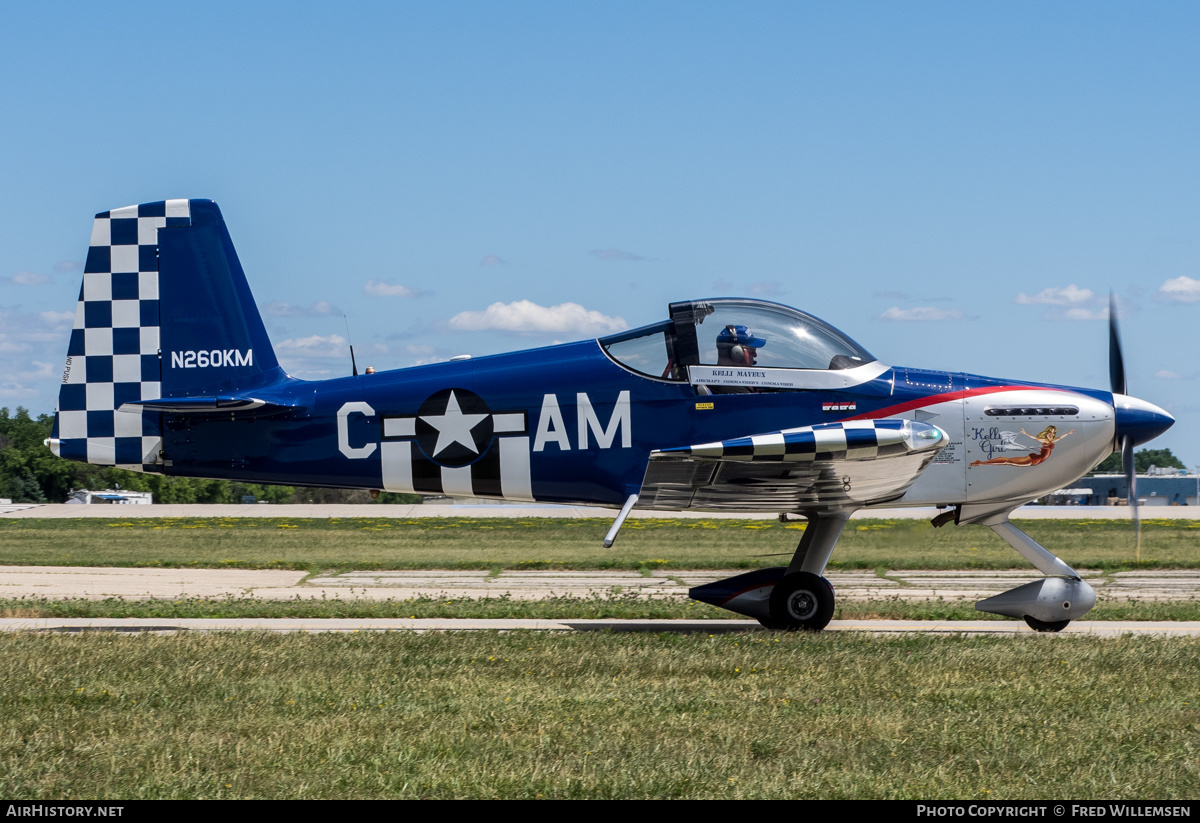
{"x":790,"y":339}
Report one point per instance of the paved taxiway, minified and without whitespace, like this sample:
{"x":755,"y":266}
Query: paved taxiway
{"x":98,"y":583}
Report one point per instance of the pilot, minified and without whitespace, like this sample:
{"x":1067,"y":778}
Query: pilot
{"x":736,"y":346}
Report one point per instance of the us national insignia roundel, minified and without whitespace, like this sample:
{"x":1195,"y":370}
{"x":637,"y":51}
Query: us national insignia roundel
{"x":456,"y":445}
{"x":454,"y":427}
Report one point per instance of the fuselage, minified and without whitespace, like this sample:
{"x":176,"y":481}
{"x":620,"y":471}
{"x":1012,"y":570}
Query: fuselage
{"x":570,"y":424}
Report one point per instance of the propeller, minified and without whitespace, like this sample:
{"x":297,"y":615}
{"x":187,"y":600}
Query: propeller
{"x":1116,"y":374}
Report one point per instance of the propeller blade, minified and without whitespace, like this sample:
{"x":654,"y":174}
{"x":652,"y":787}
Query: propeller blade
{"x":1131,"y":481}
{"x":1116,"y":363}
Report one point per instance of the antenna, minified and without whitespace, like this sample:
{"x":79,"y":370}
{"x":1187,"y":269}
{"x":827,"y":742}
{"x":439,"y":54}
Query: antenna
{"x":353,"y":365}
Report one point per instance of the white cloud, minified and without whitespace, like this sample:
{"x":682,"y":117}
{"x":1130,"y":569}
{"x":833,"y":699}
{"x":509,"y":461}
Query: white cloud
{"x":493,"y":260}
{"x":420,"y":354}
{"x":1086,"y":314}
{"x":1070,"y":295}
{"x":332,"y":345}
{"x":67,"y":266}
{"x":40,"y":371}
{"x":1166,"y":374}
{"x":378,"y":288}
{"x":12,"y":390}
{"x":30,"y":345}
{"x":526,"y":316}
{"x":28,"y":278}
{"x":615,"y":254}
{"x":1181,"y":289}
{"x":43,"y":327}
{"x":58,"y":319}
{"x":921,"y":313}
{"x":277,"y":308}
{"x":312,"y":357}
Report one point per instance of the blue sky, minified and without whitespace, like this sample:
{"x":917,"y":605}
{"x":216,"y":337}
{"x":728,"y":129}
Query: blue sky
{"x":954,"y":185}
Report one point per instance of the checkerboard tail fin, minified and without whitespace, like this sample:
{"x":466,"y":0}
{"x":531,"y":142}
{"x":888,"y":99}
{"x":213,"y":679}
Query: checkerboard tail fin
{"x":164,"y":312}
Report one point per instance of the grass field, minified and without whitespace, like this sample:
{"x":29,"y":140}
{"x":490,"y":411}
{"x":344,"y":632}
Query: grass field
{"x":534,"y":543}
{"x":595,"y":715}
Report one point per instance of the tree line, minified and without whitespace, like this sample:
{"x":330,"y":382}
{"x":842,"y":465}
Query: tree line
{"x":30,"y":473}
{"x":1142,"y":461}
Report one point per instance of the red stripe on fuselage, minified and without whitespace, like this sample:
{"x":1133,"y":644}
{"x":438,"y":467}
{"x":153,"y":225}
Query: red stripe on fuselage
{"x":947,"y":397}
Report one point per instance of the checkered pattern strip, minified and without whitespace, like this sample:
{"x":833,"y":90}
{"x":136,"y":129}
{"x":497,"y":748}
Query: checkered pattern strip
{"x":113,"y":357}
{"x":848,"y":440}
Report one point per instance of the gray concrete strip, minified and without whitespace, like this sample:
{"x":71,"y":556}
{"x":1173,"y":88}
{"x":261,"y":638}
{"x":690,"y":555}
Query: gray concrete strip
{"x":351,"y":625}
{"x":424,"y":510}
{"x":60,"y":582}
{"x":98,"y":583}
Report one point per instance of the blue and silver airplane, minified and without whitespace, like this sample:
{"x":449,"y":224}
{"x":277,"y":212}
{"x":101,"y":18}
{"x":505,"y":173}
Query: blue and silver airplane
{"x":725,"y":405}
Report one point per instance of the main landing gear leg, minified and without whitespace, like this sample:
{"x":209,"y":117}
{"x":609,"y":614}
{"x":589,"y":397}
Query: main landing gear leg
{"x":803,"y":599}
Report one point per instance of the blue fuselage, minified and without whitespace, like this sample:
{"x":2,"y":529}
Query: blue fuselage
{"x":564,"y":424}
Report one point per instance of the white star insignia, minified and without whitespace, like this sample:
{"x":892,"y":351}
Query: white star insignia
{"x":454,"y":426}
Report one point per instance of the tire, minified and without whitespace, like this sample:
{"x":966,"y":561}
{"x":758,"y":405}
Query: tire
{"x":1043,"y":626}
{"x":801,"y":602}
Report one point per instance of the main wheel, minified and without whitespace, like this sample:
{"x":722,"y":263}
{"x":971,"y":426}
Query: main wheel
{"x":801,"y":601}
{"x":1044,"y":626}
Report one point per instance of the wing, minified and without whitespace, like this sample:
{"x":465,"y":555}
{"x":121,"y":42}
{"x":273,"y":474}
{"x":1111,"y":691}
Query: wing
{"x":827,"y":466}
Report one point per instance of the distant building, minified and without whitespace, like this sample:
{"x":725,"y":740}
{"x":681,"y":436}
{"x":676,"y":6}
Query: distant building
{"x":1156,"y":489}
{"x":110,"y":497}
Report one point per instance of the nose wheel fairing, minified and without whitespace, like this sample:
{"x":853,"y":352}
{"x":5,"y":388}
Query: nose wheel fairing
{"x":1049,"y":600}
